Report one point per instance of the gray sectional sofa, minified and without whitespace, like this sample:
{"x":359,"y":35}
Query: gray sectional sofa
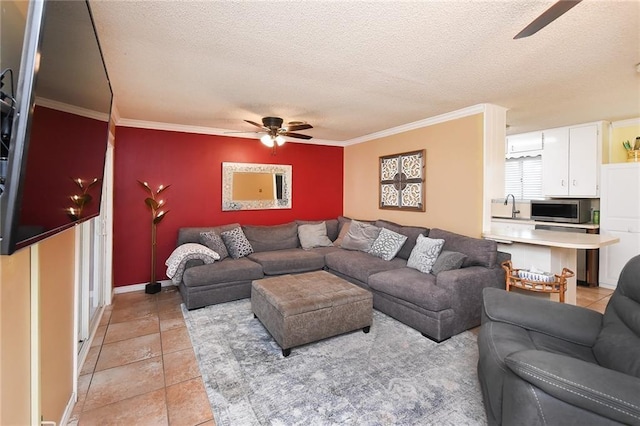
{"x":439,"y":306}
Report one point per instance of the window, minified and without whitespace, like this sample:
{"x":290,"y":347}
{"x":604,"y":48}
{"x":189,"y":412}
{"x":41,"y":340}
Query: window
{"x":523,"y":177}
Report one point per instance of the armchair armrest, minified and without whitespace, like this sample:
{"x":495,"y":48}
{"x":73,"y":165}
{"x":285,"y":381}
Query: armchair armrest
{"x":567,"y":322}
{"x":606,"y":392}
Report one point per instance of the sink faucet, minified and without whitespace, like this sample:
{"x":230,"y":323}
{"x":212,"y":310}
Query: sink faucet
{"x":514,"y":212}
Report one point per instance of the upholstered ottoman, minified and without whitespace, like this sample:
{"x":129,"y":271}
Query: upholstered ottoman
{"x":304,"y":308}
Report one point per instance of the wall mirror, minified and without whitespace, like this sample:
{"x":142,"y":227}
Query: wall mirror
{"x":250,"y":186}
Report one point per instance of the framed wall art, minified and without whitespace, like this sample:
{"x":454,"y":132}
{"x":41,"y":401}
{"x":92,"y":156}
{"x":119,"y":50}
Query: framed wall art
{"x":402,"y":181}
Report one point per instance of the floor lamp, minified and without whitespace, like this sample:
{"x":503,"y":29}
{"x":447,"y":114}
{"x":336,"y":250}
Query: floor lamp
{"x":156,"y":216}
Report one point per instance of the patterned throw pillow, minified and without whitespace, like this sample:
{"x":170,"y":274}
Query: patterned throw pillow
{"x":237,"y":244}
{"x":177,"y":261}
{"x":388,"y":244}
{"x":214,"y":242}
{"x":448,"y":261}
{"x":425,"y":254}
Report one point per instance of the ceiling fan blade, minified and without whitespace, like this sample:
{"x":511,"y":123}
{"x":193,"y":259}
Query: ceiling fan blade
{"x":550,"y":15}
{"x":255,"y":124}
{"x":296,"y":127}
{"x":296,"y":135}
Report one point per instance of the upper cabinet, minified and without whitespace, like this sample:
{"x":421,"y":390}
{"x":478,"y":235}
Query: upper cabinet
{"x":571,"y":158}
{"x":524,"y":143}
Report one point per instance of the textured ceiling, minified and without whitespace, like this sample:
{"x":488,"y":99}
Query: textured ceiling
{"x":352,"y":68}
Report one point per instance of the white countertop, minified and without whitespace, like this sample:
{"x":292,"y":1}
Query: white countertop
{"x":537,"y":222}
{"x":542,"y":237}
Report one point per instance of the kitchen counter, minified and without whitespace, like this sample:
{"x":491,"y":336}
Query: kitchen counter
{"x":547,"y":250}
{"x":543,"y":237}
{"x":527,"y":221}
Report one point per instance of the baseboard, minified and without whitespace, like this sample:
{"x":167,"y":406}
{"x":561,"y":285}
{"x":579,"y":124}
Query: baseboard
{"x":139,"y":287}
{"x":68,"y":410}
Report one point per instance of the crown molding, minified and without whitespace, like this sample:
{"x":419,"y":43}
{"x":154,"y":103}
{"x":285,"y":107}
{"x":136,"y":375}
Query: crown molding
{"x":465,"y":112}
{"x":626,"y":123}
{"x":171,"y":127}
{"x":72,"y":109}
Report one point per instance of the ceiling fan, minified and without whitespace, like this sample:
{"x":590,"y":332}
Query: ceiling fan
{"x":550,"y":15}
{"x":275,"y":132}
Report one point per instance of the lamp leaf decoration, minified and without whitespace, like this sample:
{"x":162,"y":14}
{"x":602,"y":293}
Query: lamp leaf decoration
{"x":81,"y":200}
{"x":157,"y":214}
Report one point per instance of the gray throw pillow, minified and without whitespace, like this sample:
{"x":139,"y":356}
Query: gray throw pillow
{"x":360,"y":236}
{"x":342,"y":234}
{"x":448,"y":261}
{"x":388,"y":244}
{"x":237,"y":243}
{"x":313,"y":235}
{"x":214,"y":242}
{"x":425,"y":253}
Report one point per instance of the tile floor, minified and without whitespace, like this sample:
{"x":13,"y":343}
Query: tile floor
{"x":141,"y":369}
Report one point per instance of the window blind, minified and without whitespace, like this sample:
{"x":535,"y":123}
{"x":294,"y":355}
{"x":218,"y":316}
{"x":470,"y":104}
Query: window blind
{"x":523,"y":177}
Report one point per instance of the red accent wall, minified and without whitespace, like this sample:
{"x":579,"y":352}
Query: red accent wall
{"x":62,"y":147}
{"x":192,"y":165}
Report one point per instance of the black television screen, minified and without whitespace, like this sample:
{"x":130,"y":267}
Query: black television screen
{"x":55,"y":120}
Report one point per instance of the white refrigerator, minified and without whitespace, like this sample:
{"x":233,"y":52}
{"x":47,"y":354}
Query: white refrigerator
{"x":619,"y":217}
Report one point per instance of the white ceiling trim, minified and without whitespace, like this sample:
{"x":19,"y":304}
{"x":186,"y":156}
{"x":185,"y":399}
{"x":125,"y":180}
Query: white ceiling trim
{"x":172,"y":127}
{"x":626,"y":123}
{"x":453,"y":115}
{"x":72,"y":109}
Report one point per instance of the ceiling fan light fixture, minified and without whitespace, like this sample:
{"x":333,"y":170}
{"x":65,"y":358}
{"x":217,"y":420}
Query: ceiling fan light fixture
{"x":267,"y":140}
{"x":280,"y":140}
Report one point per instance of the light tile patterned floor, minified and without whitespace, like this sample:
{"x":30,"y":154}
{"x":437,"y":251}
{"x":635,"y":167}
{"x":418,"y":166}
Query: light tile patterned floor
{"x":141,"y":369}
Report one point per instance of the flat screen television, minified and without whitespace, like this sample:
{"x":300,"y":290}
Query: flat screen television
{"x":56,"y":105}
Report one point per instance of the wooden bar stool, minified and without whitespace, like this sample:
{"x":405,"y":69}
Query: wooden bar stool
{"x":558,"y":285}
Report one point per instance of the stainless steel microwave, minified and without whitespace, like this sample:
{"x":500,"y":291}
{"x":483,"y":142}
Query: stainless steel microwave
{"x":561,"y":210}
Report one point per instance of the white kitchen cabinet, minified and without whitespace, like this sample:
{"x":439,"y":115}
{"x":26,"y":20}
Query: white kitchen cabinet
{"x":555,"y":162}
{"x":619,"y":217}
{"x":571,"y":158}
{"x":523,"y":143}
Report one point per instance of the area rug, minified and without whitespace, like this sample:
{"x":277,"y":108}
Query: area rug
{"x":390,"y":376}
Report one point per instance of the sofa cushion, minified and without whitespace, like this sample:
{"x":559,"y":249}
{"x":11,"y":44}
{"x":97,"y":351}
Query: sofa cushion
{"x":237,"y":243}
{"x":225,"y":271}
{"x":360,"y":236}
{"x":425,"y":253}
{"x":214,"y":241}
{"x":448,"y":261}
{"x":479,"y":251}
{"x":388,"y":244}
{"x":360,"y":265}
{"x":313,"y":235}
{"x":272,"y":237}
{"x":412,"y":286}
{"x":192,"y":235}
{"x":332,"y":226}
{"x":411,"y":232}
{"x":289,"y":261}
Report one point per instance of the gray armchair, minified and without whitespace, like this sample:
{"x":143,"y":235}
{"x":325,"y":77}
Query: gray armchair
{"x":547,"y":363}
